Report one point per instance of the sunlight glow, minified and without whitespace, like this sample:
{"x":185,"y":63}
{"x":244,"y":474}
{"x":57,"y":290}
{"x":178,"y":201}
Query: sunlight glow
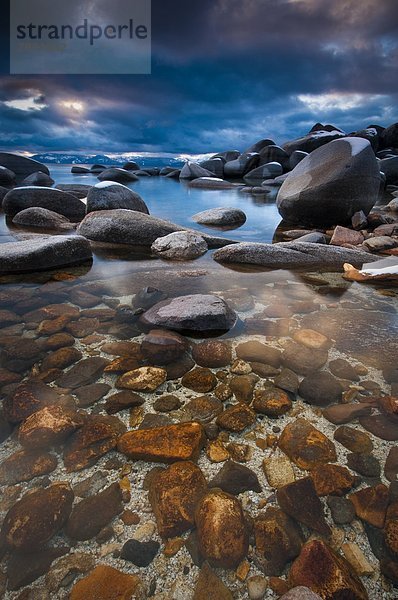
{"x":73,"y":105}
{"x":26,"y":104}
{"x":335,"y":101}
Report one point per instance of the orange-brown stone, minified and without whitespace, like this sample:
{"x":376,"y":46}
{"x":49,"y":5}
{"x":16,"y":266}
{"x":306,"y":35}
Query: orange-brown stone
{"x":236,"y":418}
{"x":48,"y":426}
{"x":106,"y":583}
{"x":305,"y":445}
{"x":326,"y":573}
{"x":332,"y":479}
{"x":174,"y":493}
{"x":371,"y":504}
{"x":167,"y":444}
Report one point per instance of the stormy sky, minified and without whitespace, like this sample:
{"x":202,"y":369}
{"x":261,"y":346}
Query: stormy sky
{"x":225,"y":73}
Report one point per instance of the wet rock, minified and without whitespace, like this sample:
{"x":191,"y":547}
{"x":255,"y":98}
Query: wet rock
{"x":380,"y":426}
{"x":197,"y":312}
{"x":122,"y":401}
{"x":212,"y":353}
{"x":25,"y":465}
{"x":221,"y":528}
{"x":167,"y":403}
{"x":110,"y":195}
{"x":164,"y":444}
{"x":278,"y":471}
{"x":371,"y":504}
{"x":305,"y":445}
{"x":42,"y":218}
{"x":37,"y":517}
{"x":63,"y":203}
{"x":49,"y":426}
{"x":153,"y":421}
{"x":140,"y":554}
{"x":365,"y":464}
{"x":28,"y":398}
{"x":391,"y":465}
{"x":200,"y":380}
{"x":256,"y":587}
{"x":389,"y":407}
{"x":181,"y":245}
{"x":300,"y":501}
{"x":98,"y":436}
{"x":83,"y":327}
{"x":303,"y":360}
{"x":343,"y":369}
{"x":177,"y":369}
{"x":278,"y":540}
{"x":60,"y":359}
{"x":203,"y":409}
{"x":23,"y":569}
{"x":342,"y":510}
{"x":287,"y":380}
{"x":332,"y":479}
{"x":83,"y":373}
{"x":326,"y":573}
{"x":148,"y":297}
{"x":143,"y":379}
{"x":342,"y":236}
{"x":321,"y":389}
{"x":67,"y":569}
{"x":174,"y":493}
{"x":300,"y":593}
{"x":236,"y":418}
{"x":311,"y":339}
{"x":122,"y":365}
{"x":346,"y":413}
{"x":218,"y":217}
{"x":271,"y":402}
{"x":162,"y":347}
{"x":210,"y":587}
{"x":242,"y":386}
{"x":235,"y":479}
{"x":353,"y":439}
{"x":90,"y":394}
{"x":105,"y":583}
{"x":94,"y":513}
{"x":254,"y":351}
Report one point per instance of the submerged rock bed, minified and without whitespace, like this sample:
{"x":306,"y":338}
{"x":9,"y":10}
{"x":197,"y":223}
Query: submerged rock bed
{"x":266,"y":451}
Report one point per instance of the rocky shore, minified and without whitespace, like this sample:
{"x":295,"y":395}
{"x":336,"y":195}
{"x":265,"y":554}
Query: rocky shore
{"x":201,"y":438}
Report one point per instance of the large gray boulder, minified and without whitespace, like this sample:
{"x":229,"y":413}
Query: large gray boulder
{"x":181,"y":245}
{"x":21,"y":166}
{"x":76,"y":170}
{"x":133,"y":228}
{"x":290,"y":255}
{"x":296,"y":157}
{"x":389,"y":166}
{"x":109,"y":195}
{"x":331,"y":184}
{"x":192,"y":170}
{"x":370,"y":134}
{"x":7,"y":177}
{"x":211,"y":183}
{"x":214,"y":165}
{"x":118,"y":175}
{"x":38,"y":178}
{"x":388,"y":137}
{"x":240,"y":166}
{"x":41,"y":218}
{"x":43,"y":253}
{"x":313,"y":140}
{"x":196,"y":313}
{"x":267,"y":171}
{"x":258,"y":146}
{"x":228,"y":155}
{"x":274,"y":154}
{"x":27,"y":197}
{"x":220,"y":217}
{"x":79,"y":190}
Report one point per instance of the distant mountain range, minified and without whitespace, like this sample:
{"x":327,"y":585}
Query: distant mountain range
{"x":144,"y":159}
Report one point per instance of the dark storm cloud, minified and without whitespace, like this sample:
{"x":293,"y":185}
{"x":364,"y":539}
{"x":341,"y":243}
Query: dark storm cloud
{"x":225,"y":73}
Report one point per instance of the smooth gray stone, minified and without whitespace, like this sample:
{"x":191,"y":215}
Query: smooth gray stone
{"x":110,"y":195}
{"x":21,"y":166}
{"x":27,"y":197}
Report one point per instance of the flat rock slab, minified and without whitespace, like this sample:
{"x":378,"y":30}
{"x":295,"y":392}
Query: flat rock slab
{"x":43,"y":254}
{"x":196,"y":312}
{"x":290,"y":255}
{"x":133,"y":228}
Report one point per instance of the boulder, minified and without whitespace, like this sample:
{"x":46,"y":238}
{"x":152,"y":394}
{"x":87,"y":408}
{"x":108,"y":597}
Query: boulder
{"x":274,"y":153}
{"x":192,"y":170}
{"x":228,"y":155}
{"x":79,"y":190}
{"x":211,"y":183}
{"x":220,"y":217}
{"x":109,"y":195}
{"x":236,"y":169}
{"x":38,"y":178}
{"x":43,"y":253}
{"x":42,"y":218}
{"x":388,"y":138}
{"x":118,"y":175}
{"x":130,"y":227}
{"x":181,"y":245}
{"x":290,"y":255}
{"x":313,"y":140}
{"x":265,"y":171}
{"x":131,"y":166}
{"x":60,"y":202}
{"x":107,"y":583}
{"x":389,"y":166}
{"x":7,"y":177}
{"x":195,"y":312}
{"x":296,"y":157}
{"x":21,"y":166}
{"x":214,"y":165}
{"x":98,"y":168}
{"x":371,"y":134}
{"x":80,"y":170}
{"x":260,"y":145}
{"x":331,"y":184}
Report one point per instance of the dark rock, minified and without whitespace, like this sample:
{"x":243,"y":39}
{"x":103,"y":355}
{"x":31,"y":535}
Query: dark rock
{"x":29,"y":397}
{"x":365,"y":464}
{"x":25,"y":465}
{"x":391,"y":465}
{"x":380,"y":426}
{"x":78,"y":190}
{"x":313,"y":140}
{"x":267,"y":170}
{"x":122,"y":400}
{"x":346,"y":413}
{"x":303,"y":360}
{"x":60,"y":202}
{"x":162,"y":347}
{"x":140,"y":554}
{"x":7,"y":177}
{"x":39,"y":178}
{"x":167,"y":403}
{"x":236,"y":418}
{"x":242,"y":386}
{"x":371,"y":504}
{"x":300,"y":501}
{"x":343,"y":369}
{"x":238,"y":167}
{"x":235,"y":479}
{"x":148,"y":297}
{"x":287,"y":380}
{"x":272,"y":402}
{"x":83,"y":373}
{"x":200,"y":380}
{"x":21,"y":166}
{"x":94,"y":513}
{"x":210,"y":587}
{"x":321,"y":389}
{"x":118,"y":175}
{"x":43,"y":254}
{"x":49,"y":426}
{"x":214,"y":165}
{"x":258,"y":352}
{"x":192,"y":170}
{"x":342,"y":510}
{"x":353,"y":439}
{"x":90,"y":394}
{"x":202,"y":409}
{"x":42,"y":218}
{"x":212,"y":353}
{"x":23,"y":569}
{"x":109,"y":196}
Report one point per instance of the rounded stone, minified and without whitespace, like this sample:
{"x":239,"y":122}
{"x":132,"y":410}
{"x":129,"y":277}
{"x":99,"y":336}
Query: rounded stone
{"x":212,"y":353}
{"x":200,"y":380}
{"x":181,"y":245}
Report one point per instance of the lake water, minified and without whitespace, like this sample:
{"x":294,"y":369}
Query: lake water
{"x":360,"y":322}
